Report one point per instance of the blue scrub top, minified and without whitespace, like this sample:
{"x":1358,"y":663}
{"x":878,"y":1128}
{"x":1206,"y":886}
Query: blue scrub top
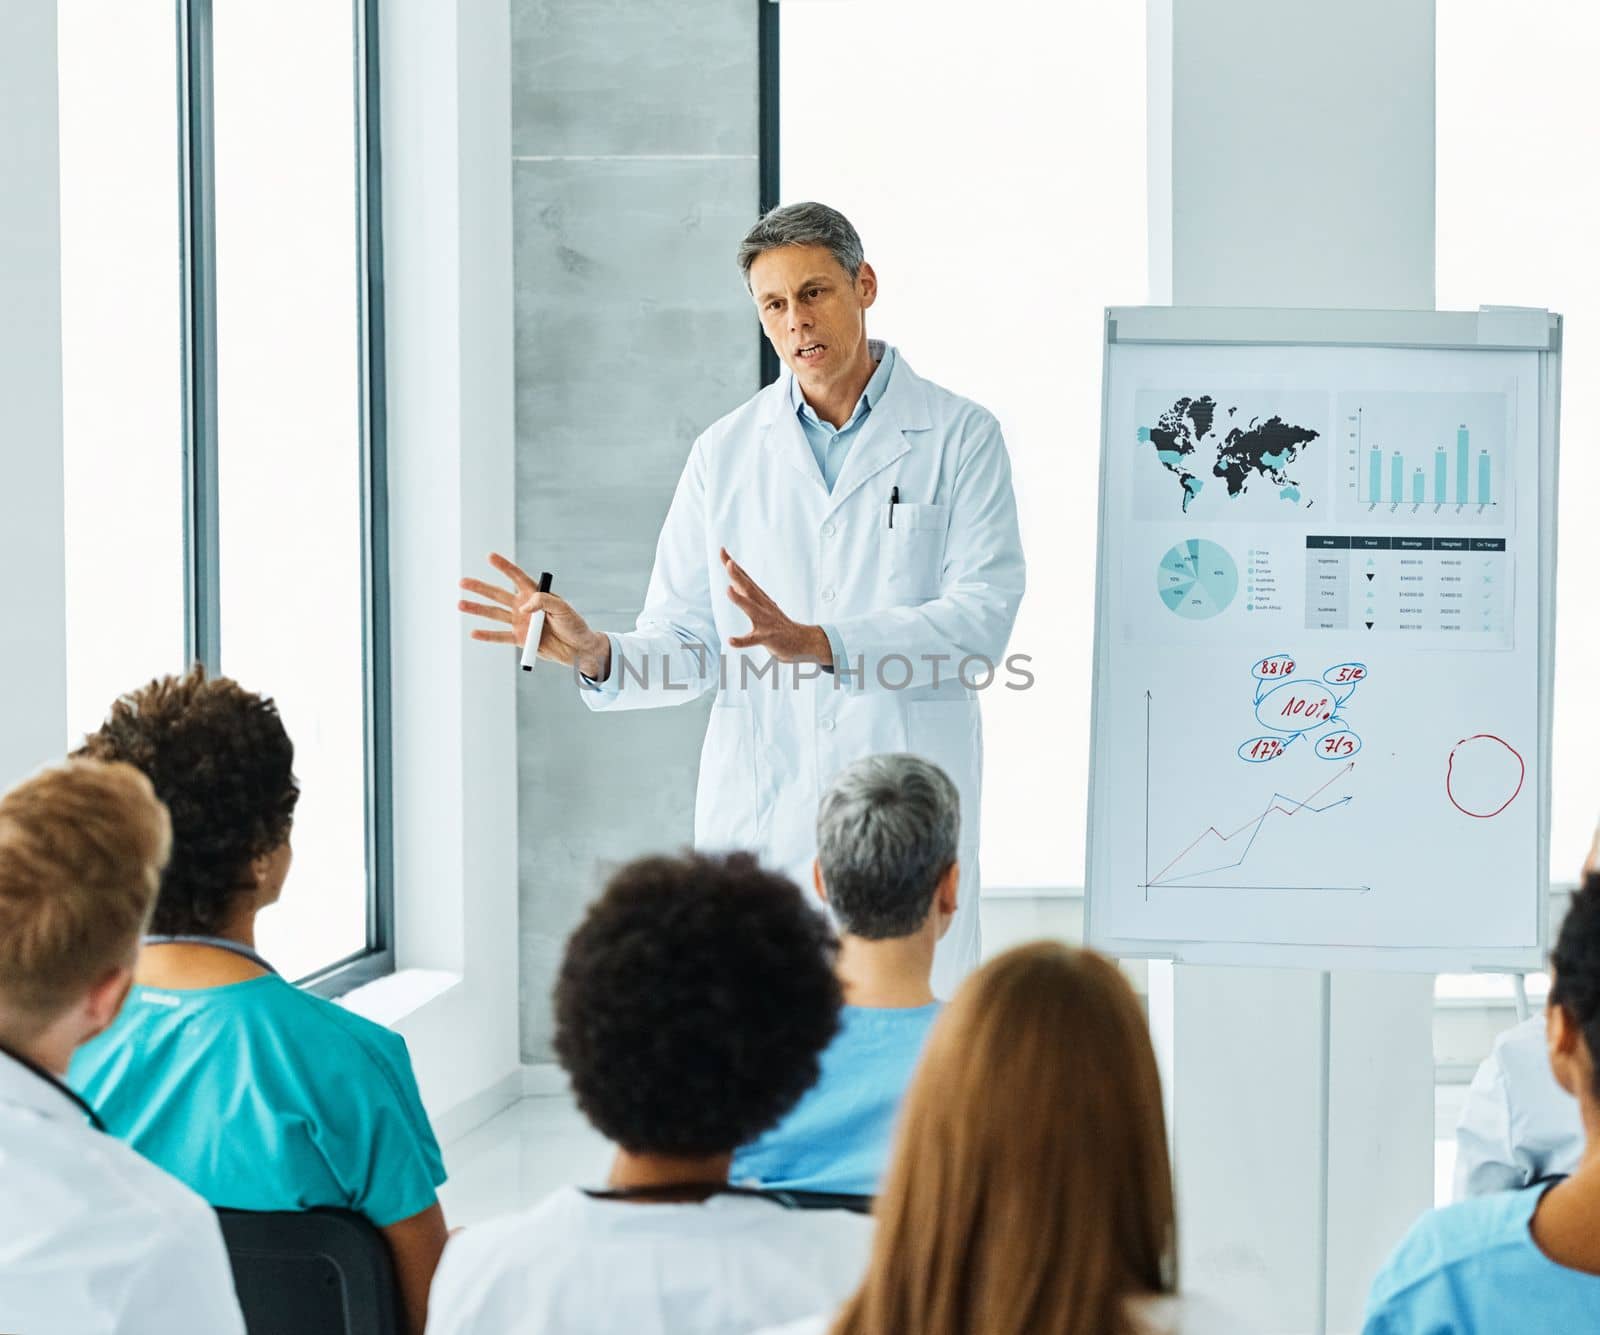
{"x":262,"y":1097}
{"x":837,"y":1137}
{"x":1474,"y":1269}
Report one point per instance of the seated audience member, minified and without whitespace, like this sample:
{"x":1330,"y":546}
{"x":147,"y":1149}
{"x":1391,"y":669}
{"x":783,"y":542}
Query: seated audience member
{"x":886,"y":865}
{"x":93,"y":1239}
{"x":1518,"y":1126}
{"x":690,"y":1010}
{"x":258,"y":1095}
{"x":1029,"y":1192}
{"x":1524,"y":1260}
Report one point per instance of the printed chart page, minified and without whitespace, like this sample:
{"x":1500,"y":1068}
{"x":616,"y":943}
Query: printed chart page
{"x":1316,"y":712}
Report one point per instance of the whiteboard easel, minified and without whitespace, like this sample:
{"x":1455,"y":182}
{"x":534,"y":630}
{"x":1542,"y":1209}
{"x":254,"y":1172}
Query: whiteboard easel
{"x":1278,"y":355}
{"x":1533,"y":332}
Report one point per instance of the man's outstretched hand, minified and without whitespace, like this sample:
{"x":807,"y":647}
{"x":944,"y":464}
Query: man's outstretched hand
{"x":566,"y":639}
{"x":787,"y":641}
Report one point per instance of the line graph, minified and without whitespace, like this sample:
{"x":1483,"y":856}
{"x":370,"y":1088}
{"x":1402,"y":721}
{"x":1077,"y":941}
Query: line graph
{"x":1253,"y":826}
{"x":1211,"y":838}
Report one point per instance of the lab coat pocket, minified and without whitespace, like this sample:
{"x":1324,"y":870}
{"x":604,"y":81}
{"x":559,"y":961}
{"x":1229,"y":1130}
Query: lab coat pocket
{"x":913,"y":552}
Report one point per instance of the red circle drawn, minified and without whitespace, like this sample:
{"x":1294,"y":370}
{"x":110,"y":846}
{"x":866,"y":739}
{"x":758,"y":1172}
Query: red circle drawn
{"x":1522,"y":773}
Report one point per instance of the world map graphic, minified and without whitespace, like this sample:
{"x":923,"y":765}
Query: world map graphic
{"x":1197,"y":439}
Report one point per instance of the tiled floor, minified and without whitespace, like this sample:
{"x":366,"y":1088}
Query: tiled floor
{"x":542,"y":1143}
{"x":519,"y":1157}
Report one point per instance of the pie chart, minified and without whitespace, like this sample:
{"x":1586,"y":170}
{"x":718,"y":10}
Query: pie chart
{"x":1197,"y":579}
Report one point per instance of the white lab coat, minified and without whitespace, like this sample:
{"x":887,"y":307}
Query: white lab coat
{"x":94,"y":1239}
{"x":939,"y":586}
{"x":1518,"y":1124}
{"x":577,"y":1265}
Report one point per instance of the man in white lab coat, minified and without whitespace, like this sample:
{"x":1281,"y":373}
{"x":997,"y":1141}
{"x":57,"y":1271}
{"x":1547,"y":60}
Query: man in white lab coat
{"x":93,"y":1238}
{"x":840,"y":564}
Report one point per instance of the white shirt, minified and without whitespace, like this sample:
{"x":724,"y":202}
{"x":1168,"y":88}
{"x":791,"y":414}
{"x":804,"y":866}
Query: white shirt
{"x":574,"y":1264}
{"x":1152,"y":1316}
{"x":95,"y":1240}
{"x":1517,"y":1124}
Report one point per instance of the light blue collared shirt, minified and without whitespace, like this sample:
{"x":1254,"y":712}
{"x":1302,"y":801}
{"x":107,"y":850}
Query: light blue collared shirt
{"x":830,"y":447}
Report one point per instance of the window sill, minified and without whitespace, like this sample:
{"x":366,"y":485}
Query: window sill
{"x":399,"y":995}
{"x":1032,"y":892}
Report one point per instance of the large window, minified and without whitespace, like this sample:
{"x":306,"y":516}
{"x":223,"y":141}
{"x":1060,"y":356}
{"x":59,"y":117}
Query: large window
{"x":993,"y":158}
{"x":122,"y":350}
{"x":1517,"y":203}
{"x":223,"y":391}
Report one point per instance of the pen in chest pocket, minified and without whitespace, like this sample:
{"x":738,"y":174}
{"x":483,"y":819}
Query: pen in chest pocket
{"x":894,"y":500}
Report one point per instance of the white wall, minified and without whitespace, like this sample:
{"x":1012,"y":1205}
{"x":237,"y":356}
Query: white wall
{"x":447,"y":224}
{"x":1292,"y":164}
{"x":33,"y":628}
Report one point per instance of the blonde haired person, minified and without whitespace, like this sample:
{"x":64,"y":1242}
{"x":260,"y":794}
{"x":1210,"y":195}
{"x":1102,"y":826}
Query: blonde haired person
{"x":1029,"y":1191}
{"x":93,"y":1239}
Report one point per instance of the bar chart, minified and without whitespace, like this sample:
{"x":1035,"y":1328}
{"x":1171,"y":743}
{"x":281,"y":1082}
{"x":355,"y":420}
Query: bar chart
{"x":1409,"y":484}
{"x":1420,"y":455}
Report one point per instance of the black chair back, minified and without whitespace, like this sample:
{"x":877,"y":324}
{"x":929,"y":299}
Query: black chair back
{"x":316,"y":1272}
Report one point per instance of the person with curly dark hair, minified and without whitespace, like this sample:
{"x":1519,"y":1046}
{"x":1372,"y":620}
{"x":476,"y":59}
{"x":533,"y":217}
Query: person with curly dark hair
{"x":1529,"y":1259}
{"x":222,"y":762}
{"x":691,"y":1007}
{"x":256,"y":1094}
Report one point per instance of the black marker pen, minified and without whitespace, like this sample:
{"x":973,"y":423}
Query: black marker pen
{"x":530,"y":646}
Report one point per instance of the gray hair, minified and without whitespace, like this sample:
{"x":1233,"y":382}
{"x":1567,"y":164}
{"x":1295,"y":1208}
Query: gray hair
{"x":886,"y":832}
{"x":807,"y":224}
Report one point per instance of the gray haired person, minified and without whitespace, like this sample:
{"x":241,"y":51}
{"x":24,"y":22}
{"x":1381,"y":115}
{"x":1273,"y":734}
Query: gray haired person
{"x":807,"y":224}
{"x":886,"y":866}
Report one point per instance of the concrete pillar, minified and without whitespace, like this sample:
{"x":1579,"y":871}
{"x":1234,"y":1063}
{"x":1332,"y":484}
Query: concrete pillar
{"x":1291,"y":164}
{"x":634,"y":174}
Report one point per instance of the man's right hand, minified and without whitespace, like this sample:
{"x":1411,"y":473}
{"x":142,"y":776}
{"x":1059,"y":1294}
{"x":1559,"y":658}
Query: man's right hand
{"x":567,"y":638}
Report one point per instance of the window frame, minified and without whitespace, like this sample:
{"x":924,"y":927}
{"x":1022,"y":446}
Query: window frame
{"x":201,"y":545}
{"x":768,"y":140}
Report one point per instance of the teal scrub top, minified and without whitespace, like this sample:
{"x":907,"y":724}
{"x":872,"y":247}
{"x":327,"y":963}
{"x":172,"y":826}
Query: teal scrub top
{"x":262,"y":1097}
{"x":1474,"y":1269}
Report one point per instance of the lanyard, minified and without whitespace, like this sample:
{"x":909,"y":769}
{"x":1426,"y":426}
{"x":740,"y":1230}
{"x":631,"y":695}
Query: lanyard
{"x":680,"y":1193}
{"x":220,"y":942}
{"x":49,"y":1079}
